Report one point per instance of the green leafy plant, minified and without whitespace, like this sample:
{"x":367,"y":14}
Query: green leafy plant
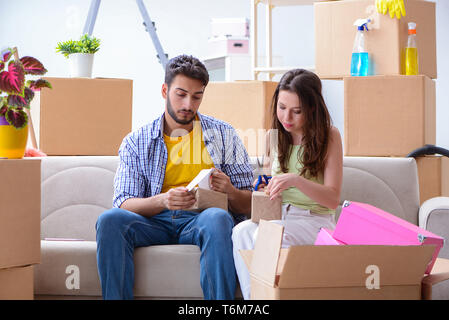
{"x":85,"y":44}
{"x":15,"y":93}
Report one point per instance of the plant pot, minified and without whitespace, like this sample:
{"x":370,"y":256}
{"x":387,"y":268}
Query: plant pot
{"x":12,"y":141}
{"x":81,"y":65}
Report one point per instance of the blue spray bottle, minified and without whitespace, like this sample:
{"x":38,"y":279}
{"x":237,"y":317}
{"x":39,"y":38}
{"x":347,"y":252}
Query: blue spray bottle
{"x":360,"y":59}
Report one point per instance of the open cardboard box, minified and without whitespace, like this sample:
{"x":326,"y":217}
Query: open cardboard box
{"x":338,"y":272}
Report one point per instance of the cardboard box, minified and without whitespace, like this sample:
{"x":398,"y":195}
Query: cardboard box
{"x":433,"y":174}
{"x":209,"y":199}
{"x":20,"y":212}
{"x":17,"y":283}
{"x":363,"y":224}
{"x":385,"y":40}
{"x":440,"y":272}
{"x":82,"y":116}
{"x":388,"y":115}
{"x":325,"y":238}
{"x":264,"y":208}
{"x":333,"y":272}
{"x":246,"y":105}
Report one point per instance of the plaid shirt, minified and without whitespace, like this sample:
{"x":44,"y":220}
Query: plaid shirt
{"x":143,"y":158}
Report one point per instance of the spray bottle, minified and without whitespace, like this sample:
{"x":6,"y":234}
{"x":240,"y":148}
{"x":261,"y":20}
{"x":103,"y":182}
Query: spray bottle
{"x":360,"y":58}
{"x":411,"y":52}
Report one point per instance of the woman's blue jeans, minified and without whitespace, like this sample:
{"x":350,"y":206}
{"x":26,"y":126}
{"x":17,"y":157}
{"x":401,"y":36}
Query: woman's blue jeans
{"x":120,"y":231}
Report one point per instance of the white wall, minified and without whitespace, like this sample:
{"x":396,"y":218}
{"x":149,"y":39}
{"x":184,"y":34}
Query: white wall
{"x":35,"y":27}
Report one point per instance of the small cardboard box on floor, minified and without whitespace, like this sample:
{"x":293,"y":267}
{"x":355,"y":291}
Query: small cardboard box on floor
{"x":246,"y":106}
{"x":333,"y":272}
{"x":385,"y":40}
{"x":388,"y":115}
{"x":82,"y":116}
{"x":20,"y":217}
{"x":433,"y":174}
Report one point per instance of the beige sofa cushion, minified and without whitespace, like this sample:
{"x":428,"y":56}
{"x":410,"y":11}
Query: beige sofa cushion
{"x":157,"y":270}
{"x":387,"y":183}
{"x":75,"y":191}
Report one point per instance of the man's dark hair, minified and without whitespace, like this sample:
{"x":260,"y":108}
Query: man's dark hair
{"x":186,"y":65}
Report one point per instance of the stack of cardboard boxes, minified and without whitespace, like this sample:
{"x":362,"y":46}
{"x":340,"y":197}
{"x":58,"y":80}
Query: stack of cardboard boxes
{"x":79,"y":116}
{"x":387,"y":114}
{"x":20,"y":208}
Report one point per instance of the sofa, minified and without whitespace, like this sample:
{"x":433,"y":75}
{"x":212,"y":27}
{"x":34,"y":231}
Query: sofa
{"x":77,"y":189}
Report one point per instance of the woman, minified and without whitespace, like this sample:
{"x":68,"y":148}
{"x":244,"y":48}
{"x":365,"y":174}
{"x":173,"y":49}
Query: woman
{"x":307,"y":167}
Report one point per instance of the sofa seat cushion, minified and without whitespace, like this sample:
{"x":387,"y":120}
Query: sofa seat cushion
{"x":163,"y":271}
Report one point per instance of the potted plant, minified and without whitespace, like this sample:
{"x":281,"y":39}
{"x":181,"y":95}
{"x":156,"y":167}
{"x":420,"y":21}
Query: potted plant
{"x":15,"y":98}
{"x":80,"y":54}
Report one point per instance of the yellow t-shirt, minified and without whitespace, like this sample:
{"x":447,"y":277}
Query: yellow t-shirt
{"x":293,"y":195}
{"x":187,"y":156}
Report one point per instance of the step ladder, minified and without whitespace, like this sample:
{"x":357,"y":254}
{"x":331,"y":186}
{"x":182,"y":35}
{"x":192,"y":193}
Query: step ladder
{"x":148,"y":24}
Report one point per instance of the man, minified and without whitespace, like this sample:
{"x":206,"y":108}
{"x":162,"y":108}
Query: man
{"x":151,"y":202}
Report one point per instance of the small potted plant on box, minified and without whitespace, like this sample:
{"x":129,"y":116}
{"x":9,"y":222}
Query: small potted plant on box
{"x":80,"y":54}
{"x":15,"y":98}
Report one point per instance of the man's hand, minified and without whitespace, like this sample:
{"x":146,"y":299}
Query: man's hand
{"x":280,"y":183}
{"x":219,"y":181}
{"x":178,"y":199}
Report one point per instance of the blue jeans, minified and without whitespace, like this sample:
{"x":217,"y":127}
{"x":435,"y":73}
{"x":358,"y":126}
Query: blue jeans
{"x":120,"y":231}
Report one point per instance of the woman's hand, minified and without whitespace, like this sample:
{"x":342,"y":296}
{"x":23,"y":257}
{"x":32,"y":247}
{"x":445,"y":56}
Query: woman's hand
{"x":280,"y":183}
{"x":262,"y":185}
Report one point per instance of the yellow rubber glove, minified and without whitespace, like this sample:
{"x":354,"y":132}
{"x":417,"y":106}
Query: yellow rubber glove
{"x":394,"y":7}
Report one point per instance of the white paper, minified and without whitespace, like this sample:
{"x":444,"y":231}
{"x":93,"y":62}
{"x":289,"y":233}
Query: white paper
{"x":202,"y":180}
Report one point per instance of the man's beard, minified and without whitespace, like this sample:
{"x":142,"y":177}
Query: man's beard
{"x":172,"y":113}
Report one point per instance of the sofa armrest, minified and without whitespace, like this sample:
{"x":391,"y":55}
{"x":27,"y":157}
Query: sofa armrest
{"x":437,"y":205}
{"x":434,"y":217}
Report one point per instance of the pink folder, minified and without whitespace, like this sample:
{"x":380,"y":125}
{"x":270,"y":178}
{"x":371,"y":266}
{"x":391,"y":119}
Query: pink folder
{"x":363,"y":224}
{"x":325,"y":238}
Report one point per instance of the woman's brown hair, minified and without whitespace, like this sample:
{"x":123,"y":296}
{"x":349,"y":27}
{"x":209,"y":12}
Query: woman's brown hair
{"x":317,"y":125}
